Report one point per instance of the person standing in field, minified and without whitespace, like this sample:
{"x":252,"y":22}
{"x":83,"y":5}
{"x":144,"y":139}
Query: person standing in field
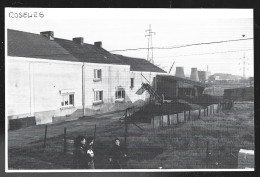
{"x":90,"y":153}
{"x":116,"y":155}
{"x":79,"y":154}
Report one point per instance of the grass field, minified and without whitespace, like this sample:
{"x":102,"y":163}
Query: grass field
{"x":211,"y":142}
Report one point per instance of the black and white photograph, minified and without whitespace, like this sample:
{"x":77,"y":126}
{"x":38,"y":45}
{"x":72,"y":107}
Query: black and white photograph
{"x":129,"y":90}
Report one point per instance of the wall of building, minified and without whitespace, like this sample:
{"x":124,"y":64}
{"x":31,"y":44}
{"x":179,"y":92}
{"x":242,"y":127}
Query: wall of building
{"x":34,"y":88}
{"x":148,"y":77}
{"x":113,"y":77}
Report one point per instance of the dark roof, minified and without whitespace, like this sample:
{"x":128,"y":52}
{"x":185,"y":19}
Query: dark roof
{"x":188,"y":81}
{"x":88,"y":53}
{"x":138,"y":64}
{"x":24,"y":44}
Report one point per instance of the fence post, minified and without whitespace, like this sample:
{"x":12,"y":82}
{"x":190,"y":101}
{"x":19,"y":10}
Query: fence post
{"x":125,"y":128}
{"x":95,"y":132}
{"x":207,"y":154}
{"x":177,"y":118}
{"x":199,"y":113}
{"x":207,"y":111}
{"x":168,"y":119}
{"x":184,"y":116}
{"x":189,"y":115}
{"x":45,"y":135}
{"x":65,"y":145}
{"x":153,"y":121}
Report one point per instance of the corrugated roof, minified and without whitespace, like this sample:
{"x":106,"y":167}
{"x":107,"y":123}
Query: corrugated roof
{"x":188,"y":81}
{"x":24,"y":44}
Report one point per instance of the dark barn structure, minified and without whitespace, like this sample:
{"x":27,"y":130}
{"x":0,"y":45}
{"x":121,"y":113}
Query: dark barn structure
{"x":172,"y":87}
{"x":239,"y":94}
{"x":173,"y":95}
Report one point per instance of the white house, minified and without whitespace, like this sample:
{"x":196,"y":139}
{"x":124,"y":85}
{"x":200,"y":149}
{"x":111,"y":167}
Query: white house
{"x":54,"y":79}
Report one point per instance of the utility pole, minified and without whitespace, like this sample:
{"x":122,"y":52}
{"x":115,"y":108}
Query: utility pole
{"x":244,"y":66}
{"x":150,"y":34}
{"x":243,"y":62}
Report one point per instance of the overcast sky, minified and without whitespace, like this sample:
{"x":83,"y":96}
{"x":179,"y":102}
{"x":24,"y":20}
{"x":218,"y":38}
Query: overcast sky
{"x":125,"y":29}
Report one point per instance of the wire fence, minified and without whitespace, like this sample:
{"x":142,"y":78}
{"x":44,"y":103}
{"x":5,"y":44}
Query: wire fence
{"x":168,"y":141}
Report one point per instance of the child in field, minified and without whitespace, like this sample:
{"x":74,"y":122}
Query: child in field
{"x":116,"y":155}
{"x":90,"y":153}
{"x":79,"y":159}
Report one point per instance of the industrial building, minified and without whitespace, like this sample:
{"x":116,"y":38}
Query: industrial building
{"x":173,"y":87}
{"x":51,"y":79}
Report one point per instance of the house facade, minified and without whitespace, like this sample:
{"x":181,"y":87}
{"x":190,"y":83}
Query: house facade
{"x":55,"y":79}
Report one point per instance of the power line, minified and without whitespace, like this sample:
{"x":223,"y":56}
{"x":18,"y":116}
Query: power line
{"x":187,"y":45}
{"x":206,"y":53}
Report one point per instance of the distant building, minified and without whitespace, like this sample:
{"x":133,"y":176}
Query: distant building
{"x":251,"y":81}
{"x":203,"y":76}
{"x":194,"y":74}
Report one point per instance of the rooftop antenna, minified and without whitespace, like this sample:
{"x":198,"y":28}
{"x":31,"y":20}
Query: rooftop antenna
{"x":171,"y":67}
{"x":150,"y":34}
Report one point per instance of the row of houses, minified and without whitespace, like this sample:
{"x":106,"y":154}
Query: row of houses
{"x":53,"y":79}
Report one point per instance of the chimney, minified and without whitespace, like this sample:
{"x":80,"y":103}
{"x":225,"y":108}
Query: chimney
{"x":194,"y":74}
{"x":78,"y":40}
{"x":179,"y":72}
{"x":98,"y":44}
{"x":48,"y":34}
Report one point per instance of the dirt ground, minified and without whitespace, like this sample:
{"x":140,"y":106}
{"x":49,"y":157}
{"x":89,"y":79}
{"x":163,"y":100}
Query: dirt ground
{"x":211,"y":142}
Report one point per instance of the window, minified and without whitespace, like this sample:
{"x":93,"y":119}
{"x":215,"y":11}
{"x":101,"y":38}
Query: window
{"x":120,"y":94}
{"x":132,"y":83}
{"x":98,"y":96}
{"x":97,"y":74}
{"x":67,"y":99}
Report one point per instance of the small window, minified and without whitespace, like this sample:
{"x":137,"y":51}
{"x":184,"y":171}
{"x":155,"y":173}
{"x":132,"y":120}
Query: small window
{"x":120,"y":94}
{"x":67,"y":99}
{"x":97,"y":74}
{"x":132,"y":83}
{"x":98,"y":96}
